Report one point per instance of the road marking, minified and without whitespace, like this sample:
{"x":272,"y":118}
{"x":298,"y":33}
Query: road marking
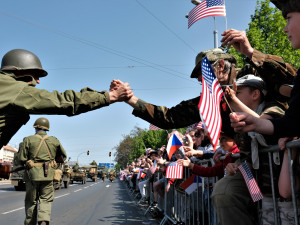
{"x":61,"y":196}
{"x":107,"y":185}
{"x":78,"y":190}
{"x":12,"y":210}
{"x":86,"y":187}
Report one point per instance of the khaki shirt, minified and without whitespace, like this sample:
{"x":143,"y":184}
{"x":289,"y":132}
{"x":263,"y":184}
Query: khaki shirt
{"x":28,"y":149}
{"x":19,"y":99}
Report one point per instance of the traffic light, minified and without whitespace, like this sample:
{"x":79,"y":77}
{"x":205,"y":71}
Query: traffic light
{"x":109,"y":154}
{"x":88,"y":152}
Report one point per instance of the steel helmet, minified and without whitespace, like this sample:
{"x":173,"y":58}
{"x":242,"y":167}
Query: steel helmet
{"x":20,"y":59}
{"x":42,"y":123}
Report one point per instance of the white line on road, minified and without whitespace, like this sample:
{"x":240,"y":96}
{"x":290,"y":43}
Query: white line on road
{"x":61,"y":196}
{"x":86,"y":187}
{"x":12,"y":210}
{"x":78,"y":190}
{"x":107,"y":185}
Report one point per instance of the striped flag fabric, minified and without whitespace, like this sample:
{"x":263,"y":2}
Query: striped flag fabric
{"x":153,"y":127}
{"x":209,"y":104}
{"x":174,"y":171}
{"x":253,"y":188}
{"x":200,"y":125}
{"x":191,"y":184}
{"x":206,"y":8}
{"x":173,"y":144}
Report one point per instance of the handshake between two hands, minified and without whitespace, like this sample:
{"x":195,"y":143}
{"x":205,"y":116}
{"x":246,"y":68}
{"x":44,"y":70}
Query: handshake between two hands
{"x":119,"y":91}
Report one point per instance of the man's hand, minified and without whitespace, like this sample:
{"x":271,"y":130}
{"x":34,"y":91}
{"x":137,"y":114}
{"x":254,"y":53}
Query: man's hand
{"x":231,"y":169}
{"x":216,"y":157}
{"x":242,"y":122}
{"x":238,"y":40}
{"x":119,"y":91}
{"x":186,"y":162}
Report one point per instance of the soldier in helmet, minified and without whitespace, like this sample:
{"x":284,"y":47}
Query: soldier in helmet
{"x":38,"y":153}
{"x":20,"y":71}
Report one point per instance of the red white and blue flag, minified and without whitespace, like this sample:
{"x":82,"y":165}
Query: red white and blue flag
{"x":174,"y":171}
{"x":200,"y":125}
{"x":209,"y":105}
{"x":153,"y":127}
{"x":206,"y":8}
{"x":191,"y":184}
{"x":253,"y":188}
{"x":173,"y":144}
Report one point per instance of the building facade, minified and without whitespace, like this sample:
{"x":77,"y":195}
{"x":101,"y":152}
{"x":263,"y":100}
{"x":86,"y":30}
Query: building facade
{"x":7,"y":153}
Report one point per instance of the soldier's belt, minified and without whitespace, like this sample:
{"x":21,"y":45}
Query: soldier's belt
{"x":38,"y":164}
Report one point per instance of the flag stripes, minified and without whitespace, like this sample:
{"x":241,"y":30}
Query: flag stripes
{"x":205,"y":9}
{"x":253,"y":188}
{"x":174,"y":171}
{"x":209,"y":104}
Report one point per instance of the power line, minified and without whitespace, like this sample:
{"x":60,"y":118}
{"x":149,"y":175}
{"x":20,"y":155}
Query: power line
{"x":165,"y":26}
{"x":103,"y":48}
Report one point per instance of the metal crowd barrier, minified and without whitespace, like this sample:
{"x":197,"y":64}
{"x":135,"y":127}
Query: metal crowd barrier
{"x":178,"y":207}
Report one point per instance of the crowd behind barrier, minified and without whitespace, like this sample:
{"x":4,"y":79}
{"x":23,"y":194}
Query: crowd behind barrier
{"x":177,"y":207}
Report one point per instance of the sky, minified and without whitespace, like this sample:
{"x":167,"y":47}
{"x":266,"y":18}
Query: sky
{"x":90,"y":43}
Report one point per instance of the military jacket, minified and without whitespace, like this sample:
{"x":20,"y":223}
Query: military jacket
{"x":19,"y":99}
{"x":28,"y":149}
{"x":187,"y":112}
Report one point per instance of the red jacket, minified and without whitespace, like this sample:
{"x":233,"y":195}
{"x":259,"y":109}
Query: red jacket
{"x":216,"y":170}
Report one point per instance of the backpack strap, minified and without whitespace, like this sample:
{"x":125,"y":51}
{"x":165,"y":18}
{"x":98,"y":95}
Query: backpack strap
{"x":40,"y":145}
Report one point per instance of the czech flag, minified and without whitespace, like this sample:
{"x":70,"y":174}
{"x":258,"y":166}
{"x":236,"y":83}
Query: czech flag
{"x":190,"y":184}
{"x":173,"y":144}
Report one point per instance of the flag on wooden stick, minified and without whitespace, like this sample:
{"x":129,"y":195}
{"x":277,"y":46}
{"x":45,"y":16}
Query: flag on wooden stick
{"x":209,"y":105}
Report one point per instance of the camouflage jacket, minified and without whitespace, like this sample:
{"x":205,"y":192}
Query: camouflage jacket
{"x":187,"y":112}
{"x":19,"y":99}
{"x":28,"y":149}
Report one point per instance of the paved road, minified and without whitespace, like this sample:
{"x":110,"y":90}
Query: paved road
{"x":80,"y":204}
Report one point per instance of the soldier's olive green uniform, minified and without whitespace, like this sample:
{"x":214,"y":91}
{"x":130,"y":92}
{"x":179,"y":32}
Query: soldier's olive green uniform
{"x":39,"y":188}
{"x":19,"y":99}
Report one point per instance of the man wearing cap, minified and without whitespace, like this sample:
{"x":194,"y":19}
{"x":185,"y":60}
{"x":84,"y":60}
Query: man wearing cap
{"x":231,"y":197}
{"x":20,"y":71}
{"x":224,"y":65}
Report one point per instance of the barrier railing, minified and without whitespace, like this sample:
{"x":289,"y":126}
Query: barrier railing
{"x":178,"y":207}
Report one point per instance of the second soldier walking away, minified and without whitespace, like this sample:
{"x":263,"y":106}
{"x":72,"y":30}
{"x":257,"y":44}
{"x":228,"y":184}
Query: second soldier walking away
{"x":38,"y":153}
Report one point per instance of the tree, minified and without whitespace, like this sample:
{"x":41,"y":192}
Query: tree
{"x":265,"y":33}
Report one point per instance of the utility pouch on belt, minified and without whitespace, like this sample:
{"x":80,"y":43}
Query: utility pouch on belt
{"x":30,"y":163}
{"x":46,"y":167}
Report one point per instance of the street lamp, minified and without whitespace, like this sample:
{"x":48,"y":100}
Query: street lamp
{"x":88,"y":153}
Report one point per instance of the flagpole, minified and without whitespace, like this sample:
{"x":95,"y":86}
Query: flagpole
{"x":215,"y":35}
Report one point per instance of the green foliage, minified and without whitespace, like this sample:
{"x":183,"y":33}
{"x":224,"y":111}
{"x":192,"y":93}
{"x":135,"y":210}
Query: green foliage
{"x":135,"y":144}
{"x":265,"y":33}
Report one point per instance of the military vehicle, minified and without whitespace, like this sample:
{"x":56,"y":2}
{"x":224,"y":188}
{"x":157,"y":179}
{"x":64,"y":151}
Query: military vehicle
{"x":92,"y":172}
{"x":78,"y":175}
{"x":17,"y":177}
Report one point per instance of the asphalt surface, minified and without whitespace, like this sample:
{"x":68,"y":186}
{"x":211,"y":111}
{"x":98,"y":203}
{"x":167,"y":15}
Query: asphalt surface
{"x":80,"y":204}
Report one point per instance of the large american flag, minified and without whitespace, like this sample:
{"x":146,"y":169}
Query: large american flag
{"x":153,"y":127}
{"x":253,"y":188}
{"x":205,"y":9}
{"x":209,"y":105}
{"x":174,"y":171}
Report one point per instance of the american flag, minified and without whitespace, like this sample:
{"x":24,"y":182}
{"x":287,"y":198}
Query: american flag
{"x":205,"y":9}
{"x":174,"y":171}
{"x":209,"y":105}
{"x":253,"y":188}
{"x":200,"y":125}
{"x":152,"y":127}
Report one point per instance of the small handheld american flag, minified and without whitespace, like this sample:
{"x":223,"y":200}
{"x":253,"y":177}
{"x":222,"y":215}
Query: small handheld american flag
{"x":253,"y":188}
{"x":174,"y":171}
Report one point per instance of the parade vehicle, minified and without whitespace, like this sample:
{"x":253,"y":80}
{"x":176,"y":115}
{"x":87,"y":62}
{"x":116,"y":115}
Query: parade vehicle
{"x":92,"y":172}
{"x":78,"y":176}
